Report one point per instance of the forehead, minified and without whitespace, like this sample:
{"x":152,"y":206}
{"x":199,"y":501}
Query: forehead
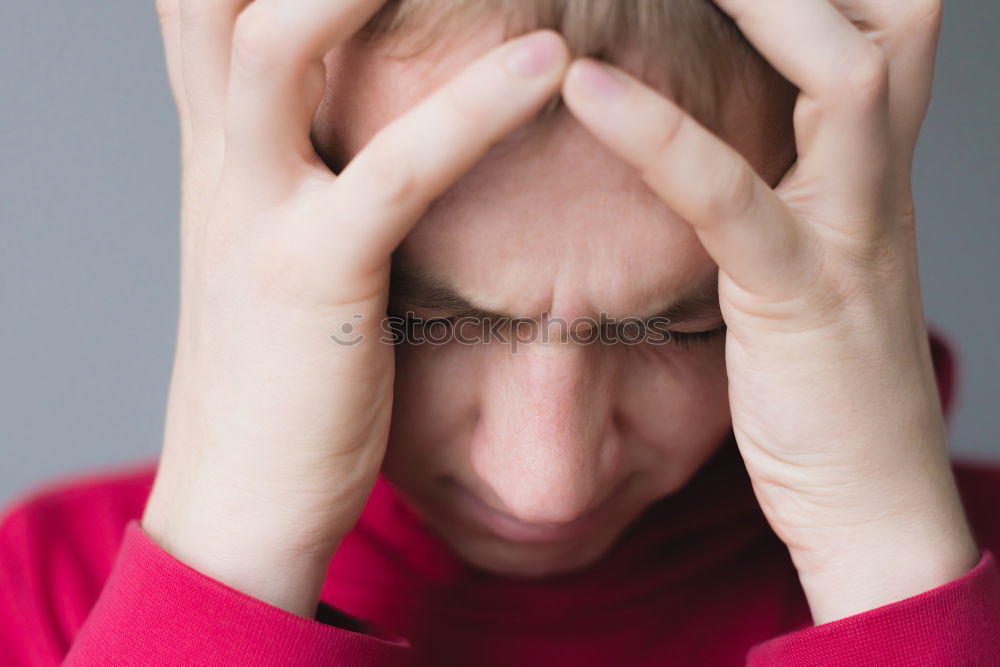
{"x":547,"y":221}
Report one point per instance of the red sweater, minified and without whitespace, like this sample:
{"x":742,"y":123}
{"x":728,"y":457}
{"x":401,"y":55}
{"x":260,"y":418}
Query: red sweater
{"x":699,"y":579}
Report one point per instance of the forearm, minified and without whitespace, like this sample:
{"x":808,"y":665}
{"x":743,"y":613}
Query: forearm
{"x":866,"y":566}
{"x":266,"y":572}
{"x":237,"y":538}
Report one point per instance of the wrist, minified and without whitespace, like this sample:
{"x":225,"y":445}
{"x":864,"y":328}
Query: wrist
{"x":879,"y":564}
{"x":251,"y":552}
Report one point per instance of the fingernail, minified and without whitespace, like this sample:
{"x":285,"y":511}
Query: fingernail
{"x":533,"y":55}
{"x":598,"y":80}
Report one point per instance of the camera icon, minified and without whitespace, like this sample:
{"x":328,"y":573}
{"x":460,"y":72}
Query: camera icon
{"x":348,"y":336}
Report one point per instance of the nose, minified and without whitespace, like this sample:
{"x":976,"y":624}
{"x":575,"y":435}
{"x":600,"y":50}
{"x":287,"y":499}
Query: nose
{"x":546,"y":446}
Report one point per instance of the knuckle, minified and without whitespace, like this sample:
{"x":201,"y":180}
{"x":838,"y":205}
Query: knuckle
{"x":395,"y":181}
{"x":257,"y":40}
{"x":733,"y":193}
{"x":663,"y":144}
{"x":466,"y":109}
{"x":866,"y":77}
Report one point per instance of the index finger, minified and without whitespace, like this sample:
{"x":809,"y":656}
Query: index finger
{"x":809,"y":42}
{"x":738,"y":218}
{"x":907,"y":31}
{"x":386,"y":187}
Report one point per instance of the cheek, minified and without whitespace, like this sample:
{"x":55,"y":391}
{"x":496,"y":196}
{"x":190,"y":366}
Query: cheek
{"x":434,"y":409}
{"x":674,"y":404}
{"x":670,"y":405}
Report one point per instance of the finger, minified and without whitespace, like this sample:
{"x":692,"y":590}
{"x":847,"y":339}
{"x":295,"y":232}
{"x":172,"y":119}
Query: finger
{"x":170,"y":29}
{"x":206,"y":35}
{"x":277,"y":80}
{"x":841,"y":123}
{"x":808,"y":41}
{"x":742,"y":223}
{"x":408,"y":163}
{"x":907,"y":31}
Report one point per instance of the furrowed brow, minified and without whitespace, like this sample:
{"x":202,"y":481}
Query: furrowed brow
{"x":698,"y":303}
{"x":415,"y":288}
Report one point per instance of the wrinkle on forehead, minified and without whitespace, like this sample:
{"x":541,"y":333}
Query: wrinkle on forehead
{"x":546,"y":219}
{"x":558,"y":225}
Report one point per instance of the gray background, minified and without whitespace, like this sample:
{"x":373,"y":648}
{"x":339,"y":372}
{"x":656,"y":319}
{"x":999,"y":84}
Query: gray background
{"x":88,"y":268}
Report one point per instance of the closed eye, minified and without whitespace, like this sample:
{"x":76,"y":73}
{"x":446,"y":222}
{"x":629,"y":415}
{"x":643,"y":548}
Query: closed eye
{"x":688,"y":339}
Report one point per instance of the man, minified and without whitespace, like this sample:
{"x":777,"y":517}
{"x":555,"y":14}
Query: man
{"x":562,"y":482}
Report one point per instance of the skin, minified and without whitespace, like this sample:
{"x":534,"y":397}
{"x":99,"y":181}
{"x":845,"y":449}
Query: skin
{"x":549,"y":432}
{"x":275,"y":434}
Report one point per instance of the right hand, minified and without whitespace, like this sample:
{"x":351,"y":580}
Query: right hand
{"x":274,"y":433}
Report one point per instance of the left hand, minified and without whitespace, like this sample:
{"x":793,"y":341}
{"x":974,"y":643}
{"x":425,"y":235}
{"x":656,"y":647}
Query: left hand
{"x":833,"y":397}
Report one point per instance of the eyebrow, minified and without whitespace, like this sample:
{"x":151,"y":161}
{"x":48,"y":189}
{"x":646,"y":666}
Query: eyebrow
{"x":417,"y":288}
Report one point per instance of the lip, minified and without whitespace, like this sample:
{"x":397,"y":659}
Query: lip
{"x":505,"y":526}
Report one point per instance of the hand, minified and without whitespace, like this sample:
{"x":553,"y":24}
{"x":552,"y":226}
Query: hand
{"x":275,"y":433}
{"x":832,"y":392}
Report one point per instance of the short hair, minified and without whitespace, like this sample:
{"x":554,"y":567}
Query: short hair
{"x":697,"y":49}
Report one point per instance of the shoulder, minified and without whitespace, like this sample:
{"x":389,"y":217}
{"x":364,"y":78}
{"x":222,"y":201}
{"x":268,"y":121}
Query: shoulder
{"x":59,"y":539}
{"x":979,"y":486}
{"x":86,"y":511}
{"x":85,"y":505}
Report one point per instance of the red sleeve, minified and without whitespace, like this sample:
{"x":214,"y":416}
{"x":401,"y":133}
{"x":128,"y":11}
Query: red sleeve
{"x":155,"y":610}
{"x":951,"y":625}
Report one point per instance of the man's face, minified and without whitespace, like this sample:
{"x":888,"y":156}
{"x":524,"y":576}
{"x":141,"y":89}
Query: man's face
{"x":507,"y":452}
